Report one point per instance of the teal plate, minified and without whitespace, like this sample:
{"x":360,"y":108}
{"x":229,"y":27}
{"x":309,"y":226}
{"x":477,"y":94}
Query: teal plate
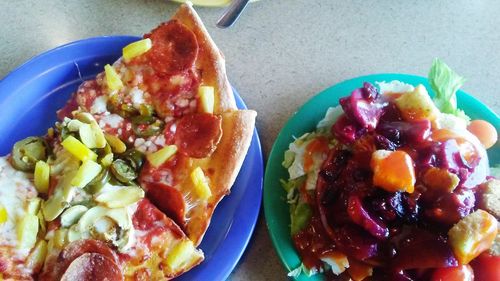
{"x":305,"y":120}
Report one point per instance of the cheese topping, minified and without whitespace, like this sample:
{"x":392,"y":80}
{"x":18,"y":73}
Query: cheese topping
{"x":16,"y":189}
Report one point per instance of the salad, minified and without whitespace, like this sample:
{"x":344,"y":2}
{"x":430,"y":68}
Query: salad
{"x":395,"y":185}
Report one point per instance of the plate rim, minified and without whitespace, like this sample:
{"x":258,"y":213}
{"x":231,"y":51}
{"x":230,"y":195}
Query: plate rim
{"x":275,"y":156}
{"x":238,"y":235}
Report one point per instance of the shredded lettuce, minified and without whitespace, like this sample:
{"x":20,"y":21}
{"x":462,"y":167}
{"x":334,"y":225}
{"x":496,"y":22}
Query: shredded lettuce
{"x":303,"y":269}
{"x":300,"y":216}
{"x":445,"y":83}
{"x":288,"y":159}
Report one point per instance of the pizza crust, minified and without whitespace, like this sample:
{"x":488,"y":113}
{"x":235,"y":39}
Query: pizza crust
{"x":225,"y":164}
{"x":210,"y":60}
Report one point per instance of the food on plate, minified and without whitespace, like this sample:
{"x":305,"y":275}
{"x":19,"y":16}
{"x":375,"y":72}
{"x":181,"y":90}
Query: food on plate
{"x":124,"y":185}
{"x":395,"y":185}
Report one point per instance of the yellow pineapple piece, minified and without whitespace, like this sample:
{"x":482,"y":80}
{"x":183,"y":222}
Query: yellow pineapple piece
{"x":86,"y":173}
{"x":180,"y":254}
{"x":4,"y":216}
{"x":393,"y":171}
{"x":27,"y":230}
{"x":112,"y":78}
{"x":206,"y":95}
{"x":200,"y":182}
{"x":161,"y":156}
{"x":42,"y":176}
{"x":78,"y":149}
{"x":417,"y":105}
{"x":136,"y":49}
{"x":472,"y":235}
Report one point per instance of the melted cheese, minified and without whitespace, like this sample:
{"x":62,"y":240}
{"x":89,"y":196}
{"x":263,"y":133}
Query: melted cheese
{"x":16,"y":189}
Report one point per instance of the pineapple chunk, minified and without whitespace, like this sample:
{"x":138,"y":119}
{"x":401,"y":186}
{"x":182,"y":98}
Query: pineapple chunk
{"x":200,"y":182}
{"x":472,"y":235}
{"x":36,"y":258}
{"x":78,"y":149}
{"x":4,"y":216}
{"x":86,"y":173}
{"x":72,"y":215}
{"x":161,"y":156}
{"x":122,"y":197}
{"x":206,"y":95}
{"x":417,"y":105}
{"x":112,"y":78}
{"x":27,"y":230}
{"x":116,"y":143}
{"x":42,"y":176}
{"x":440,"y":179}
{"x":393,"y":171}
{"x":180,"y":255}
{"x":136,"y":49}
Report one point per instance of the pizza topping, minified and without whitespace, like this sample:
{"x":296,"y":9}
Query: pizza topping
{"x":181,"y":254}
{"x":86,"y":173}
{"x":123,"y":171}
{"x":78,"y":149}
{"x":146,"y":126}
{"x":91,"y":267}
{"x":4,"y":216}
{"x":27,"y":152}
{"x":42,"y":176}
{"x":137,"y":48}
{"x":120,"y":197}
{"x":116,"y":144}
{"x":159,"y":157}
{"x":198,"y":134}
{"x":168,"y":199}
{"x":37,"y":256}
{"x":175,"y":48}
{"x":206,"y":95}
{"x":113,"y":79}
{"x":201,"y":184}
{"x":27,"y":230}
{"x":72,"y":215}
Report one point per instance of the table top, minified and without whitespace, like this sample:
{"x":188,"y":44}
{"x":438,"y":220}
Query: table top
{"x":282,"y":52}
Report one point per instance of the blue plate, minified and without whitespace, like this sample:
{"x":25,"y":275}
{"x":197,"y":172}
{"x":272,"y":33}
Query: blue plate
{"x":31,"y":94}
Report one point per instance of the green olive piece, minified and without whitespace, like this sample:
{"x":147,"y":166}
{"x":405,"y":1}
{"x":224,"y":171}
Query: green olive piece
{"x":122,"y":171}
{"x":27,"y":152}
{"x":146,"y":110}
{"x":134,"y":158}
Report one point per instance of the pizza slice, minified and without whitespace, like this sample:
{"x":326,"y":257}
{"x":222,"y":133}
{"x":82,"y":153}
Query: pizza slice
{"x":168,"y":97}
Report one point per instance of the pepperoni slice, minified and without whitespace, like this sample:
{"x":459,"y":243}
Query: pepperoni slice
{"x":174,"y":49}
{"x":80,"y":247}
{"x":92,"y":267}
{"x":197,"y":135}
{"x":169,"y":200}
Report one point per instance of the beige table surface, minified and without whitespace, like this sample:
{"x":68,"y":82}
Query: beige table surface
{"x":282,"y":52}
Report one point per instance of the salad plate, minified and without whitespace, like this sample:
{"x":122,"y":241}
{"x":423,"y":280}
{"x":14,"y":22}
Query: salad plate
{"x":305,"y":120}
{"x":31,"y":95}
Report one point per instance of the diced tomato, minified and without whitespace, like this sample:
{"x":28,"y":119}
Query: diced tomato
{"x":458,"y":273}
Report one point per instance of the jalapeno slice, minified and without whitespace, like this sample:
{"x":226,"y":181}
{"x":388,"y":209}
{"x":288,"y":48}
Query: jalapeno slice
{"x":98,"y":182}
{"x":122,"y":171}
{"x":134,"y":158}
{"x":27,"y":152}
{"x":146,"y":126}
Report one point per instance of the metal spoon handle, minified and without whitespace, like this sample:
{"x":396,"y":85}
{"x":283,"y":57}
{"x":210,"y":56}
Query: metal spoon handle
{"x":232,"y":13}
